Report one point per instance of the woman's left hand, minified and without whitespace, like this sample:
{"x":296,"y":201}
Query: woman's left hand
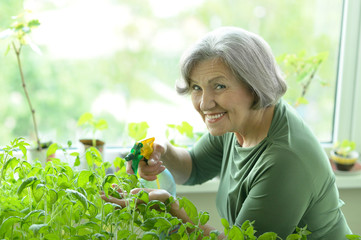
{"x":154,"y":194}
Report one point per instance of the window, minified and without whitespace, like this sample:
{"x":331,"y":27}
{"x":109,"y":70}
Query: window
{"x":119,"y":60}
{"x":348,"y":114}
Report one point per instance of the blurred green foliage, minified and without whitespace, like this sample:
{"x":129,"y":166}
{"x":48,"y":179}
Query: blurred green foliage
{"x":64,"y":88}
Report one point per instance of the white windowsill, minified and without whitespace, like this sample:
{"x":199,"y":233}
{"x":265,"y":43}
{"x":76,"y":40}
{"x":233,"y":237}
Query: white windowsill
{"x":342,"y":182}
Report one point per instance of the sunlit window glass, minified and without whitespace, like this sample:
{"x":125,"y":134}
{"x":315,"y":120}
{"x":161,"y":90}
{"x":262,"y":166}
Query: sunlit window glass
{"x":118,"y":59}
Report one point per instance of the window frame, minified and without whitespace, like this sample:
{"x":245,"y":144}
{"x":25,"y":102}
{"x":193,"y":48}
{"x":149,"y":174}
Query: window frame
{"x":348,"y":102}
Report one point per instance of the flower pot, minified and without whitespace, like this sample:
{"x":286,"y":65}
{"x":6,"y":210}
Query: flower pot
{"x":344,"y":163}
{"x":87,"y":143}
{"x":39,"y":155}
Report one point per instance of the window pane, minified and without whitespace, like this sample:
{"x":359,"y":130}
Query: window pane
{"x":119,"y":60}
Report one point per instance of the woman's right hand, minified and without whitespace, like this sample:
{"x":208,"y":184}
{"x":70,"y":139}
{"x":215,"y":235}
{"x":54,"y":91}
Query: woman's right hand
{"x":150,"y":169}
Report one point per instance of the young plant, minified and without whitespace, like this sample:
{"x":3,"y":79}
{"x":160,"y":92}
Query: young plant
{"x":7,"y":158}
{"x":183,"y":129}
{"x":58,"y":202}
{"x":344,"y":148}
{"x":138,"y":131}
{"x":88,"y":121}
{"x":303,"y":70}
{"x":18,"y":35}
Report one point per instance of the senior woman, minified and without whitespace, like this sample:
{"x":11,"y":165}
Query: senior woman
{"x":272,"y":168}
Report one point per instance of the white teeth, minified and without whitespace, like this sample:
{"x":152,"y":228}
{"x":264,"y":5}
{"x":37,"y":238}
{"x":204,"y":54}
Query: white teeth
{"x":215,"y":116}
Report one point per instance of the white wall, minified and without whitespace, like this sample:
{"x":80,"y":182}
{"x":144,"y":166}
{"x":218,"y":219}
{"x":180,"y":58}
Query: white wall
{"x":352,"y":208}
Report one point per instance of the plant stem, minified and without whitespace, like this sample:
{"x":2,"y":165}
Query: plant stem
{"x":17,"y":52}
{"x":306,"y":86}
{"x":2,"y":169}
{"x":102,"y":217}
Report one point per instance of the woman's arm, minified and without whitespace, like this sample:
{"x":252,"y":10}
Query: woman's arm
{"x":163,"y":196}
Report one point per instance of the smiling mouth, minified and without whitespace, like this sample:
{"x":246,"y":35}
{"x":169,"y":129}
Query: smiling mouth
{"x":214,"y":117}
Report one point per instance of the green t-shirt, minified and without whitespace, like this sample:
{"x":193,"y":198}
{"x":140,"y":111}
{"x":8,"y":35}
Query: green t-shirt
{"x":283,"y":182}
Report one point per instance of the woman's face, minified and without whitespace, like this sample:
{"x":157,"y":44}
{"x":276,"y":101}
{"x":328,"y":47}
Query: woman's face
{"x":222,"y":101}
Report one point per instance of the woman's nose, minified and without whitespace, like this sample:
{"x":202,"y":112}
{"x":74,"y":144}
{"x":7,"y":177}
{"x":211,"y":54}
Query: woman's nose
{"x":207,"y":101}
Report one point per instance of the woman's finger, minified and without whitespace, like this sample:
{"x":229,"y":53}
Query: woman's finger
{"x":120,"y":202}
{"x":129,"y":168}
{"x":154,"y":194}
{"x":150,"y":173}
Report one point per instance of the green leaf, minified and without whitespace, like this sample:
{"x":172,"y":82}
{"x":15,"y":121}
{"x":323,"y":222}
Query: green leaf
{"x":110,"y":178}
{"x":85,"y":118}
{"x":38,"y":191}
{"x":150,"y":236}
{"x":63,"y":181}
{"x":33,"y":23}
{"x":52,"y":236}
{"x":294,"y":236}
{"x":83,"y":178}
{"x":123,"y":234}
{"x":52,"y":149}
{"x":79,"y":196}
{"x":353,"y":237}
{"x":101,"y":124}
{"x":23,"y":149}
{"x":8,"y":223}
{"x":186,"y":128}
{"x":268,"y":236}
{"x":77,"y":161}
{"x":93,"y":156}
{"x":7,"y":50}
{"x":28,"y":182}
{"x":235,"y":233}
{"x":99,"y":236}
{"x":190,"y":209}
{"x":119,"y":163}
{"x":203,"y":218}
{"x":52,"y":196}
{"x":108,"y":181}
{"x":69,"y":171}
{"x":143,"y":196}
{"x":302,"y":100}
{"x":138,"y":131}
{"x":92,"y":210}
{"x":303,"y":231}
{"x":125,"y":216}
{"x":163,"y":224}
{"x":157,"y":203}
{"x":32,"y":213}
{"x":89,"y":225}
{"x":39,"y":228}
{"x":246,"y":224}
{"x":225,"y":223}
{"x":152,"y":223}
{"x":11,"y":162}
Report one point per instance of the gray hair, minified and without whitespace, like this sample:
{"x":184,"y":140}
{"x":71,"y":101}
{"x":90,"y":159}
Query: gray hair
{"x":248,"y":56}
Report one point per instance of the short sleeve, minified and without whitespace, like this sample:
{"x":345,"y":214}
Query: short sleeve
{"x":206,"y":157}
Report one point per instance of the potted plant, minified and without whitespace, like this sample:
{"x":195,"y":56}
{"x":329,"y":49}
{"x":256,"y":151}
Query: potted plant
{"x":18,"y":36}
{"x":92,"y":125}
{"x":344,"y":155}
{"x":182,"y":135}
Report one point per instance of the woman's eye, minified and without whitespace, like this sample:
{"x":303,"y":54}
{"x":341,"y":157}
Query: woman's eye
{"x":196,"y":87}
{"x":220,"y":86}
